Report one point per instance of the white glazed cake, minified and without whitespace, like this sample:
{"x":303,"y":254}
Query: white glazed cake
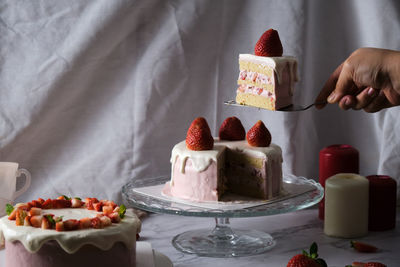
{"x":232,"y":166}
{"x":95,"y":241}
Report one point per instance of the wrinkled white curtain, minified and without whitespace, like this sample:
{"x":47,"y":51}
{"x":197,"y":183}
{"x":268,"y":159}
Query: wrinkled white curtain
{"x":96,"y":93}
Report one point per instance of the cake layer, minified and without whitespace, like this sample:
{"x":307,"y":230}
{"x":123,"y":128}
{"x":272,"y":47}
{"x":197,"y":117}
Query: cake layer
{"x":266,"y":82}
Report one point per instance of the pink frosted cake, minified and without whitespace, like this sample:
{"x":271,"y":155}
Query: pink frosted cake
{"x":267,"y":79}
{"x":229,"y":166}
{"x":94,"y":233}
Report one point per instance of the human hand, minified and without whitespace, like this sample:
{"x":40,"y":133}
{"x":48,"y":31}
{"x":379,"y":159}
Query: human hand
{"x":368,"y":79}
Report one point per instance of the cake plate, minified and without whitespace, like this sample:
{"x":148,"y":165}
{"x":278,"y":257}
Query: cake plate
{"x":222,"y":241}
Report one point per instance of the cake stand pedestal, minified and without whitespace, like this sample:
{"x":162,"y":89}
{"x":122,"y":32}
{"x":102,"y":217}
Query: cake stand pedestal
{"x":222,"y":241}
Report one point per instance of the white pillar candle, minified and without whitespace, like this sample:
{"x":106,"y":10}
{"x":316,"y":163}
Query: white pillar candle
{"x":346,"y":205}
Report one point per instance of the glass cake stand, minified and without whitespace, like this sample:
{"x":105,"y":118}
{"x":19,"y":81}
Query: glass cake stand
{"x":222,"y":241}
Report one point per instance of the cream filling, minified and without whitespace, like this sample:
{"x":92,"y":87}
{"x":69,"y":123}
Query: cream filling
{"x":250,"y":89}
{"x":33,"y":238}
{"x":277,"y":63}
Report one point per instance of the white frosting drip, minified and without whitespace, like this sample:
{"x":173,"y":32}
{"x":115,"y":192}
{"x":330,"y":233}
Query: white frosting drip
{"x":277,"y":63}
{"x":202,"y":159}
{"x":33,"y":238}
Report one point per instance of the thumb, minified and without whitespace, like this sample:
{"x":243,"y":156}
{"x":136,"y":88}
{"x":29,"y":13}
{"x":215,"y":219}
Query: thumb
{"x":345,"y":84}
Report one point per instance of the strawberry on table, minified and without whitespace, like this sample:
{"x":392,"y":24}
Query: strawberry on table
{"x":366,"y":264}
{"x":363,"y":247}
{"x":307,"y":259}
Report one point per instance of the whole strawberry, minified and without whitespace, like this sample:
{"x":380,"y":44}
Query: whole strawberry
{"x":307,"y":259}
{"x":259,"y":135}
{"x":269,"y":45}
{"x":199,"y":136}
{"x":301,"y":260}
{"x":232,"y":129}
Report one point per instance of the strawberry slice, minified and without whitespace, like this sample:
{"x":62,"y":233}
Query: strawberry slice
{"x":258,"y":135}
{"x":48,"y":204}
{"x":36,"y":221}
{"x":366,"y":264}
{"x":363,"y":247}
{"x":232,"y":129}
{"x":199,"y":136}
{"x":61,"y":203}
{"x":35,"y":211}
{"x":71,"y":224}
{"x":96,"y":223}
{"x":85,"y":223}
{"x":20,"y":217}
{"x":269,"y":45}
{"x":60,"y":226}
{"x":76,"y":203}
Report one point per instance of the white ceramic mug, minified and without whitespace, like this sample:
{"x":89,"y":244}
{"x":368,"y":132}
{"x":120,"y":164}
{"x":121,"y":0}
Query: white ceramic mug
{"x":9,"y":173}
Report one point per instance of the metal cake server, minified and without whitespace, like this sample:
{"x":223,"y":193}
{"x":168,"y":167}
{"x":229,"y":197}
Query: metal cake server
{"x":293,"y":107}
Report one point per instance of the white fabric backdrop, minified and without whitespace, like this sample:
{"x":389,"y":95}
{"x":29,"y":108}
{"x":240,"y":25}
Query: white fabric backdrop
{"x":96,"y":93}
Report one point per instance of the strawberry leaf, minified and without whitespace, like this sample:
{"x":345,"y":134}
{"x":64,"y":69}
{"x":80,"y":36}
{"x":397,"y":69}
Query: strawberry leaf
{"x":321,"y":262}
{"x":122,"y":210}
{"x":314,"y":249}
{"x":50,"y":219}
{"x":9,"y":208}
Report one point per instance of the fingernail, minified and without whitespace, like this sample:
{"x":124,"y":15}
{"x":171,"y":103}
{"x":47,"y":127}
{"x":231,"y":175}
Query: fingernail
{"x":371,"y":91}
{"x":331,"y":97}
{"x":347,"y":101}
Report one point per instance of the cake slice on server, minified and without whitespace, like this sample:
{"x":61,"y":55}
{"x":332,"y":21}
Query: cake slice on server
{"x":267,"y":79}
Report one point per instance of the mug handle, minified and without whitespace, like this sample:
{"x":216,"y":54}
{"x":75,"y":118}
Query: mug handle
{"x":27,"y":182}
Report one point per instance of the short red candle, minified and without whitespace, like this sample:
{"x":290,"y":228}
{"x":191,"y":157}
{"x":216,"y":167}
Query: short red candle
{"x":382,"y":203}
{"x":336,"y":159}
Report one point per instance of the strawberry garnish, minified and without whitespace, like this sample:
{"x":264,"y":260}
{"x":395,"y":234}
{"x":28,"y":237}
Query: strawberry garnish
{"x":232,"y":129}
{"x":60,"y":226}
{"x":20,"y":217}
{"x":259,"y":135}
{"x":269,"y":45}
{"x":363,"y":247}
{"x":36,"y":221}
{"x":35,"y":211}
{"x":71,"y":224}
{"x":199,"y":136}
{"x":307,"y":259}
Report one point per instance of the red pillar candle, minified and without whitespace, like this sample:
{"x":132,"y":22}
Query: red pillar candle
{"x":382,"y":203}
{"x":336,"y":159}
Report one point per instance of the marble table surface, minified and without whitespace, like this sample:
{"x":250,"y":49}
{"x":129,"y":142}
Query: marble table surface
{"x":293,"y":232}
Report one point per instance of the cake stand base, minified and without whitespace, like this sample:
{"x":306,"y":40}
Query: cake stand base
{"x":223,"y":242}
